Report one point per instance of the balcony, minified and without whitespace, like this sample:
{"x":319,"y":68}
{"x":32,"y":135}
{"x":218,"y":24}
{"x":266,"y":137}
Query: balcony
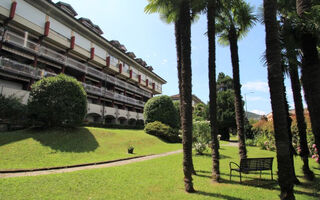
{"x":52,"y":55}
{"x":20,"y":69}
{"x":111,"y":79}
{"x":92,"y":89}
{"x":76,"y":65}
{"x":21,"y":42}
{"x":107,"y":93}
{"x":21,"y":94}
{"x":96,"y":73}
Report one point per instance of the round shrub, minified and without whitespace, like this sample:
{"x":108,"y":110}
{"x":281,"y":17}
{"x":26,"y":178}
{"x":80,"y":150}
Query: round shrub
{"x":162,"y":131}
{"x":57,"y":101}
{"x":161,"y":109}
{"x":201,"y":131}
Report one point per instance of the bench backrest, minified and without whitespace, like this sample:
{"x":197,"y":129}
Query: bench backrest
{"x":255,"y":164}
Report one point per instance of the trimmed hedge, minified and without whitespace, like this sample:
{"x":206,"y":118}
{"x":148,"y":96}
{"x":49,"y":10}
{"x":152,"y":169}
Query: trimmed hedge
{"x":163,"y":131}
{"x":57,"y":101}
{"x":161,"y":109}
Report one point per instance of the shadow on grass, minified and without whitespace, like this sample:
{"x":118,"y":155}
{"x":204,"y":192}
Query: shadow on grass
{"x":210,"y":155}
{"x":222,"y":196}
{"x":59,"y":139}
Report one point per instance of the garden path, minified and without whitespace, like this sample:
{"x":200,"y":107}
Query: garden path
{"x":112,"y":164}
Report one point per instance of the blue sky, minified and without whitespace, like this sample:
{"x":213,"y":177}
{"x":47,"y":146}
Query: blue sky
{"x":153,"y":40}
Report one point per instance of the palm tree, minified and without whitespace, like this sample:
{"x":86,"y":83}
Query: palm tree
{"x":211,"y":13}
{"x":291,"y":64}
{"x":275,"y":81}
{"x":179,"y":12}
{"x":310,"y":70}
{"x":234,"y":21}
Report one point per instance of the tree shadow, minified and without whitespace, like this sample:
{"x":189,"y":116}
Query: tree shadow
{"x":67,"y":140}
{"x":210,"y":155}
{"x":59,"y":139}
{"x":10,"y":137}
{"x":222,"y":196}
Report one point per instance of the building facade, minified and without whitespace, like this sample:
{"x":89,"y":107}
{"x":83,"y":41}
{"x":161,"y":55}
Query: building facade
{"x":39,"y":38}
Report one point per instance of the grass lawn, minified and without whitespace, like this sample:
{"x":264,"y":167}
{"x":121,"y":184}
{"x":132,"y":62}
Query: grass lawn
{"x":35,"y":149}
{"x":160,"y":178}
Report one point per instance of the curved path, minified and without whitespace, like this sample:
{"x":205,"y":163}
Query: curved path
{"x":112,"y":164}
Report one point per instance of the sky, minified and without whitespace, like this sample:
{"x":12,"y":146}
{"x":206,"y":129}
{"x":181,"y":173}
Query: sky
{"x":153,"y":40}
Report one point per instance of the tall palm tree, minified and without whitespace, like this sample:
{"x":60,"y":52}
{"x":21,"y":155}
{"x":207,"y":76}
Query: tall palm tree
{"x":291,"y":64}
{"x":275,"y":81}
{"x":211,"y":13}
{"x":310,"y":70}
{"x":179,"y":12}
{"x":234,"y":21}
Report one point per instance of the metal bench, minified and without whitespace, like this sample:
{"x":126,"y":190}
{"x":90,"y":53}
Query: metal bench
{"x":252,"y":164}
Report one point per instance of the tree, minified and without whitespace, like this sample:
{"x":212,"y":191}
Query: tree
{"x":179,"y":13}
{"x":310,"y":70}
{"x":161,"y":108}
{"x":275,"y":81}
{"x":234,"y":21}
{"x":291,"y":64}
{"x":225,"y":113}
{"x":211,"y":13}
{"x":57,"y":101}
{"x":199,"y":112}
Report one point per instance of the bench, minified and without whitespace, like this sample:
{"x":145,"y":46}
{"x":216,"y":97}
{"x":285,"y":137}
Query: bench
{"x":252,"y":164}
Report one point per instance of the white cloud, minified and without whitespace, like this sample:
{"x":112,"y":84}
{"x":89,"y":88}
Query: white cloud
{"x":255,"y":98}
{"x":164,"y":61}
{"x":259,"y":112}
{"x":258,"y":86}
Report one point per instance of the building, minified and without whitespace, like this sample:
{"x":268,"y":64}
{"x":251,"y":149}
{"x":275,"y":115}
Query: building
{"x":195,"y":99}
{"x":41,"y":38}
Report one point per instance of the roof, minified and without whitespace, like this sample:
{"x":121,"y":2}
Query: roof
{"x":194,"y":98}
{"x":67,"y":8}
{"x":100,"y":36}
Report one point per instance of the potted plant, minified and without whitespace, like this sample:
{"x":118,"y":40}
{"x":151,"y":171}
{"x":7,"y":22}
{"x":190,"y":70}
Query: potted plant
{"x":130,"y":149}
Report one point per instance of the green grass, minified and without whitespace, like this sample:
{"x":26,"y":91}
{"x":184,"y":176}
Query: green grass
{"x":160,"y":178}
{"x":34,"y":149}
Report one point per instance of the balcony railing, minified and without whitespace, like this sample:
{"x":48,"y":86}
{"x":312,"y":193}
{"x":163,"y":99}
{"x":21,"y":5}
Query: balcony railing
{"x":20,"y":42}
{"x":76,"y":65}
{"x":20,"y":69}
{"x":35,"y":48}
{"x":96,"y":73}
{"x":52,"y":55}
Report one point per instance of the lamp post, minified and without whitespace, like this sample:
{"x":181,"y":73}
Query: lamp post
{"x":245,"y":101}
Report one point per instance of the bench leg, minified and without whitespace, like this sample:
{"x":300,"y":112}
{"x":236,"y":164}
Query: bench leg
{"x":260,"y":174}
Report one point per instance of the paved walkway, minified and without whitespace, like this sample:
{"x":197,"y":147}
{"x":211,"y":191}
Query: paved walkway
{"x":118,"y":163}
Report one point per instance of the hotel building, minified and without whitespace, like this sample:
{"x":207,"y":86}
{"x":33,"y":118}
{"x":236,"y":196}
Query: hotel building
{"x":39,"y":38}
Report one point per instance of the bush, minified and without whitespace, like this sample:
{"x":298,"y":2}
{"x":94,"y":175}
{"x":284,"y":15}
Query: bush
{"x":57,"y":101}
{"x":162,"y":131}
{"x":161,"y":109}
{"x":12,"y":110}
{"x":201,"y":136}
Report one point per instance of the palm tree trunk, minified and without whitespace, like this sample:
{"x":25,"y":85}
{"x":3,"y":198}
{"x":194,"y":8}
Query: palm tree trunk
{"x":213,"y":90}
{"x":237,"y":91}
{"x":186,"y":93}
{"x":310,"y":73}
{"x":303,"y":144}
{"x":275,"y":80}
{"x":178,"y":49}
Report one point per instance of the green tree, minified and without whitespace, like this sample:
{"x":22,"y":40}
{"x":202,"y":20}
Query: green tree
{"x":234,"y":21}
{"x":57,"y":101}
{"x":275,"y":81}
{"x":225,"y":113}
{"x":199,"y":112}
{"x":179,"y":12}
{"x":291,"y":63}
{"x":161,"y":108}
{"x":309,"y":13}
